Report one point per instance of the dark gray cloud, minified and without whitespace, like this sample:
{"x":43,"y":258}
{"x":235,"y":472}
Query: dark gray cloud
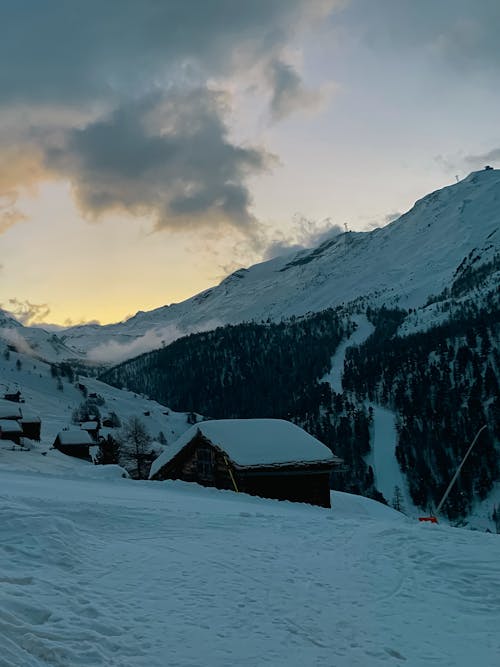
{"x":148,"y":135}
{"x":288,"y":90}
{"x":166,"y":155}
{"x":85,"y":49}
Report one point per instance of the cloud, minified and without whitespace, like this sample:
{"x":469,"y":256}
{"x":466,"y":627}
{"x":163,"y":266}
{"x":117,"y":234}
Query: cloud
{"x":20,"y":170}
{"x":483,"y":159}
{"x":98,"y":49}
{"x":13,"y":337}
{"x":26,"y":312}
{"x":9,"y":213}
{"x":113,"y":352}
{"x":119,"y":98}
{"x":305,"y":233}
{"x":288,"y":91}
{"x":165,"y":155}
{"x":459,"y":33}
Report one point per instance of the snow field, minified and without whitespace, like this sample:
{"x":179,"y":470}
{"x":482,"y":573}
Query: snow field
{"x":135,"y":574}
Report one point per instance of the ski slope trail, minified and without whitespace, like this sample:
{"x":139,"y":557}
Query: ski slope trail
{"x":364,"y":329}
{"x":147,"y":574}
{"x":382,"y":458}
{"x":388,"y":474}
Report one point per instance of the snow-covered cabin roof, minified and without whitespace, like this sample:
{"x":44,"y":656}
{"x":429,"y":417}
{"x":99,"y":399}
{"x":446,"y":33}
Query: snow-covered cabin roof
{"x":89,"y":426}
{"x":253,"y":443}
{"x":75,"y":436}
{"x":29,"y":417}
{"x":10,"y":426}
{"x":8,"y":410}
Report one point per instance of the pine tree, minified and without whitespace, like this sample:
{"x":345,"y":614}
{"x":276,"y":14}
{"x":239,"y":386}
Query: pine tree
{"x":109,"y":451}
{"x":397,"y":500}
{"x":135,"y":445}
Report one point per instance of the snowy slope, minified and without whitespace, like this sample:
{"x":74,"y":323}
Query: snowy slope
{"x":55,"y":406}
{"x":147,"y":574}
{"x":403,"y":263}
{"x":35,"y":341}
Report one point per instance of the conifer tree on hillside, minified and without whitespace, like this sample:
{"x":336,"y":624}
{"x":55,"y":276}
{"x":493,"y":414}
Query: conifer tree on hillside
{"x":136,"y":452}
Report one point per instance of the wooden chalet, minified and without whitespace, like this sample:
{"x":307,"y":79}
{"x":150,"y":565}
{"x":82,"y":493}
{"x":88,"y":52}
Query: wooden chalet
{"x":271,"y":458}
{"x":74,"y":442}
{"x":31,"y":425}
{"x":11,"y":430}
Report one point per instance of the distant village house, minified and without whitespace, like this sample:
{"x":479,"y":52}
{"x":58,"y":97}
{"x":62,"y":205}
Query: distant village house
{"x":17,"y":424}
{"x":11,"y":430}
{"x":32,"y":426}
{"x":15,"y":397}
{"x":74,"y":442}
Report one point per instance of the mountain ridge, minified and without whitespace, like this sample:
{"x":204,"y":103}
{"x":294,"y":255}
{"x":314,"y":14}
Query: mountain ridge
{"x":402,"y":264}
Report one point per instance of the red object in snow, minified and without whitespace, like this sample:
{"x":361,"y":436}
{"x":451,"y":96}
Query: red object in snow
{"x":432,"y":519}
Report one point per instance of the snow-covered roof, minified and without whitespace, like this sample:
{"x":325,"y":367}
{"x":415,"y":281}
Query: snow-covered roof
{"x":9,"y":410}
{"x":90,"y":426}
{"x":254,"y":442}
{"x":29,"y":417}
{"x":75,"y":436}
{"x":10,"y":426}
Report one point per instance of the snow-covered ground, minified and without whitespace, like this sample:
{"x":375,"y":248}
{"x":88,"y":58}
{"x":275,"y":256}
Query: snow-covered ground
{"x":147,"y":574}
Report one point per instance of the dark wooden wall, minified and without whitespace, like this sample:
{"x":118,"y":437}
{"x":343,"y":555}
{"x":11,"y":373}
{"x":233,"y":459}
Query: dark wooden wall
{"x":31,"y":430}
{"x":298,"y":487}
{"x":78,"y":451}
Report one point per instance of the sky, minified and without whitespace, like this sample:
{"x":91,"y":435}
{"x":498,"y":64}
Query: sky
{"x":148,"y":148}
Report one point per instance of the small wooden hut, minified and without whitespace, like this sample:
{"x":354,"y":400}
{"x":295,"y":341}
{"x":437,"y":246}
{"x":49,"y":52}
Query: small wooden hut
{"x":15,"y":397}
{"x":10,"y":430}
{"x":271,"y":458}
{"x":31,"y":425}
{"x":74,"y":442}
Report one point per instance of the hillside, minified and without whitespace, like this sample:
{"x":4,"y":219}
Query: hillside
{"x":53,"y":394}
{"x":441,"y":385}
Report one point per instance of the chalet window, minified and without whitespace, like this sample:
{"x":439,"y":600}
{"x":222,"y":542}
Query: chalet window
{"x":205,"y":462}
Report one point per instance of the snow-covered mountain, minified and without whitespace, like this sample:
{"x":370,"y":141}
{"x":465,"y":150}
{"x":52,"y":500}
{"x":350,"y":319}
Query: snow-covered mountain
{"x":418,"y":255}
{"x":35,"y":341}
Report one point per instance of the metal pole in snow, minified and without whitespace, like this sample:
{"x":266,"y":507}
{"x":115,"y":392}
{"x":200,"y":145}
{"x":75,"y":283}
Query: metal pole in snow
{"x":454,"y":479}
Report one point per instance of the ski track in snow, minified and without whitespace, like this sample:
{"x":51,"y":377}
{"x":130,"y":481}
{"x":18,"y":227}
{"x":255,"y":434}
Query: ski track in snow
{"x":130,"y":574}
